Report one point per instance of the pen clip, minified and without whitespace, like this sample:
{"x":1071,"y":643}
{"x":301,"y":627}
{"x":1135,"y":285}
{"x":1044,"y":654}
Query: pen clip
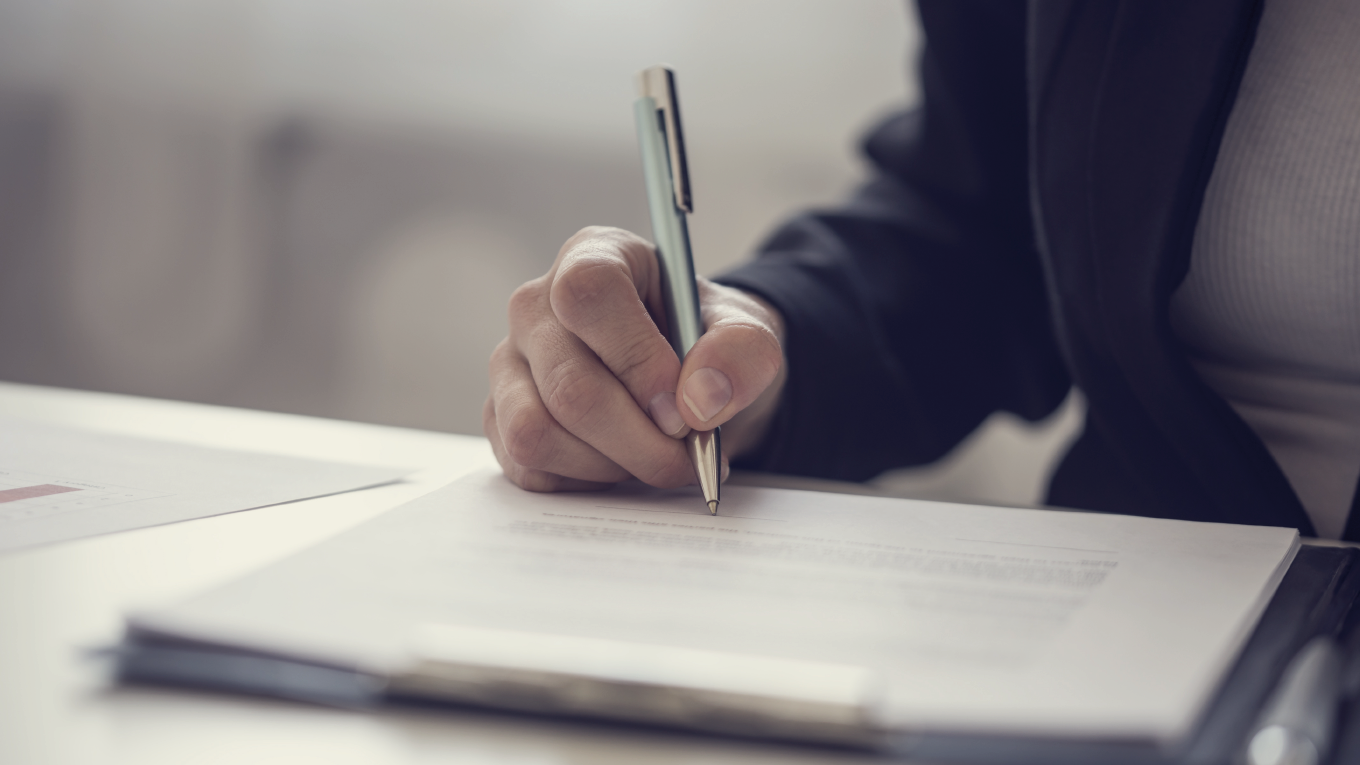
{"x":658,"y":82}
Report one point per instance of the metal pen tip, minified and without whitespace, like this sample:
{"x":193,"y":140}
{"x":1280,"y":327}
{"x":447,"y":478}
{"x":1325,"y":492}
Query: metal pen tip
{"x":705,"y":451}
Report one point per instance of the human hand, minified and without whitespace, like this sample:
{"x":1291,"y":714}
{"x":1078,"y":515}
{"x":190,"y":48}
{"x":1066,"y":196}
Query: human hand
{"x":587,"y":392}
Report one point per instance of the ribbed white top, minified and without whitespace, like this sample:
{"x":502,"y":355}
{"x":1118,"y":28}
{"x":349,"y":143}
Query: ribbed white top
{"x":1271,"y":308}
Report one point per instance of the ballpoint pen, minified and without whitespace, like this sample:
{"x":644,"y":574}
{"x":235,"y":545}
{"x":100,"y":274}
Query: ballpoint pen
{"x":1295,"y":726}
{"x":1346,"y":746}
{"x":668,"y":196}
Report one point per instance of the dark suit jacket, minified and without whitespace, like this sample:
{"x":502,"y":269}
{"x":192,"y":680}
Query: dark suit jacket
{"x":1024,"y":231}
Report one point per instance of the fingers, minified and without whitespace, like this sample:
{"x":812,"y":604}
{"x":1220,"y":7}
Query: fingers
{"x":529,"y":436}
{"x":736,"y":359}
{"x":585,"y":398}
{"x":599,"y":294}
{"x":527,"y":477}
{"x":546,"y":373}
{"x":586,"y":391}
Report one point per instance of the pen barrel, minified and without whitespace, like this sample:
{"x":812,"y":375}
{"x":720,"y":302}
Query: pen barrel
{"x":680,"y":294}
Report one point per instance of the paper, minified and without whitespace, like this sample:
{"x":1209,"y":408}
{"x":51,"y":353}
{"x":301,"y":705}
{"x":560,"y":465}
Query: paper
{"x":974,"y":618}
{"x":58,"y":483}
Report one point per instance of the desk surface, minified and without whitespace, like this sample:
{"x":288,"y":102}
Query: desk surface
{"x":57,"y":601}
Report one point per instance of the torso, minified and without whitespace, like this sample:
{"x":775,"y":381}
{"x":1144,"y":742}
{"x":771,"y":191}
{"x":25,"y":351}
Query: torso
{"x":1270,"y":310}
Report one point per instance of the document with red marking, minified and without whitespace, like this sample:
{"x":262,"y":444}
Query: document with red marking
{"x":60,"y":483}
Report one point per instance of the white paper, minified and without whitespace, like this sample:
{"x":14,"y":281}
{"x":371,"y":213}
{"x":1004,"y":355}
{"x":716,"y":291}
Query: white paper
{"x":58,"y":483}
{"x":977,"y":618}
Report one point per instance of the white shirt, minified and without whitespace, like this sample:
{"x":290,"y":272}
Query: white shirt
{"x":1270,"y":311}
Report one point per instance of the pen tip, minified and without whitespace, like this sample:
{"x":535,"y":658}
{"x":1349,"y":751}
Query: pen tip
{"x":713,"y":506}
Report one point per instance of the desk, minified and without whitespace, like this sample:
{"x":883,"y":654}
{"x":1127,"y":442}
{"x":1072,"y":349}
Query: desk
{"x":56,"y":708}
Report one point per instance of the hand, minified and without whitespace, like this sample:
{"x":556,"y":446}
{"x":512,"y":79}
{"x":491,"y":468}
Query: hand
{"x":586,"y":391}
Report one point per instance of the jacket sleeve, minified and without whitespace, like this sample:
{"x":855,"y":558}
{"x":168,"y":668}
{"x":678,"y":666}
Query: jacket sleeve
{"x":919,"y":307}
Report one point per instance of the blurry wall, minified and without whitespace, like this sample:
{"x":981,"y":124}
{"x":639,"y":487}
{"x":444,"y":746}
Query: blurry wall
{"x":321,"y":206}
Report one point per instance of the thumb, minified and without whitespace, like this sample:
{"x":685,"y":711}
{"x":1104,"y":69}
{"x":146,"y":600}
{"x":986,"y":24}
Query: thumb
{"x":732,"y":363}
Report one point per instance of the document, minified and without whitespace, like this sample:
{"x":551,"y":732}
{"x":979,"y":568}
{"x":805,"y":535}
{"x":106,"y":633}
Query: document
{"x":895,"y":614}
{"x":59,"y":483}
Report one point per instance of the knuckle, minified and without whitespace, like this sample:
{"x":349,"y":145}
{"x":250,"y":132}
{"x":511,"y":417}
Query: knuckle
{"x":526,"y":437}
{"x":635,"y":251}
{"x":599,"y":232}
{"x":526,"y":300}
{"x":500,"y":357}
{"x":581,"y":286}
{"x":572,"y":394}
{"x":642,"y":357}
{"x":591,"y":240}
{"x":610,"y":235}
{"x":585,"y":234}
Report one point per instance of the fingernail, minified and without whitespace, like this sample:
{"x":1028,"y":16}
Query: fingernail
{"x":665,"y":414}
{"x":707,"y":392}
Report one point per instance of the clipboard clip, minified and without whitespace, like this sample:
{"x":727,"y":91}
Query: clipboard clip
{"x":729,"y":693}
{"x":658,"y":83}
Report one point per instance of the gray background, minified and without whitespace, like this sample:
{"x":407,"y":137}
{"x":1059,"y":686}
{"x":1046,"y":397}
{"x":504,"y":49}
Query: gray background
{"x":321,"y":206}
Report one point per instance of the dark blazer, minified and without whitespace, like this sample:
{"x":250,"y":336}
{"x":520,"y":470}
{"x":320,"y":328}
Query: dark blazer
{"x":1024,"y":231}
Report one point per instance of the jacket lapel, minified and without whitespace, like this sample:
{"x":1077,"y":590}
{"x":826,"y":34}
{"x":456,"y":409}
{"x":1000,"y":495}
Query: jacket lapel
{"x":1128,"y":105}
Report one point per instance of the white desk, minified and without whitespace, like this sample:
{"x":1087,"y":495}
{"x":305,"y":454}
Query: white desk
{"x":56,"y":707}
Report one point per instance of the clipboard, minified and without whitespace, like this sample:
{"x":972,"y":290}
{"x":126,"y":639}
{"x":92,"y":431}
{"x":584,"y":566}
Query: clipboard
{"x":1316,"y":595}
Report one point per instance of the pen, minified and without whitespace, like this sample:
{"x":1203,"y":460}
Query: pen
{"x":1345,"y":746}
{"x":1295,"y":727}
{"x":668,"y":196}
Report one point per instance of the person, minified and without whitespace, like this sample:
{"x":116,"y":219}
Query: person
{"x":1157,"y":202}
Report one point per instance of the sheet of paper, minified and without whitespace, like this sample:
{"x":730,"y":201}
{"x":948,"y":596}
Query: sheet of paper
{"x":58,"y":483}
{"x":978,"y":618}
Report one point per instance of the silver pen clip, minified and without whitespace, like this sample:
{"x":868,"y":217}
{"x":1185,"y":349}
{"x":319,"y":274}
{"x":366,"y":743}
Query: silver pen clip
{"x":658,"y":82}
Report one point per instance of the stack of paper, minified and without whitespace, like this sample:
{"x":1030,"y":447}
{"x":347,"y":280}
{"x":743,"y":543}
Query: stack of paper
{"x":826,"y":613}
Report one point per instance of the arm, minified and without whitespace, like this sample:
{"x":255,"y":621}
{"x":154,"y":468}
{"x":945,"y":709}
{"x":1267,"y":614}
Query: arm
{"x":919,"y":308}
{"x":861,"y":339}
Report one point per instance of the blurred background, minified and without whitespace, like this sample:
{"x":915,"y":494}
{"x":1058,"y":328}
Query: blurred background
{"x":322,"y":206}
